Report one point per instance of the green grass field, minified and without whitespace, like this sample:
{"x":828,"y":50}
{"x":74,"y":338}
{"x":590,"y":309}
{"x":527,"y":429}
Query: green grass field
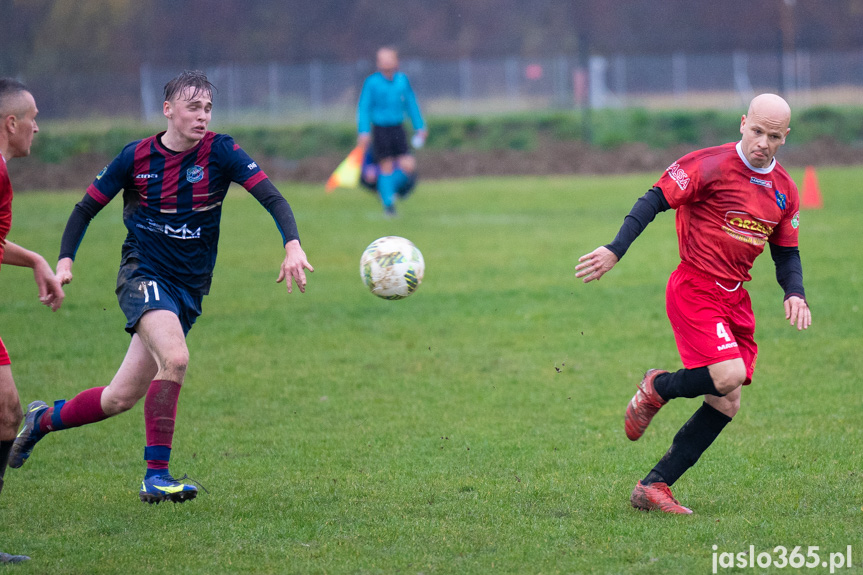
{"x":476,"y":427}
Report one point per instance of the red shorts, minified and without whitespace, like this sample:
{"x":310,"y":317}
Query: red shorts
{"x":4,"y":355}
{"x":711,"y":321}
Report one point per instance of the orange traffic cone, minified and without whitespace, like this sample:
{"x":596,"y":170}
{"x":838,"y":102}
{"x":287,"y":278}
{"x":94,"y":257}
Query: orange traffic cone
{"x":811,"y":196}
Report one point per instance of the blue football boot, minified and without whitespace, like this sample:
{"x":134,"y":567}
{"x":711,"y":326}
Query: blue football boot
{"x":160,"y":488}
{"x":29,"y":435}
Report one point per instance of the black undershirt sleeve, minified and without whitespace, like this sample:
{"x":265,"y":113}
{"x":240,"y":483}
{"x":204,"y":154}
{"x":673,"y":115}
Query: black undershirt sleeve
{"x":269,"y":197}
{"x":789,"y":270}
{"x":642,"y":213}
{"x":83,"y":212}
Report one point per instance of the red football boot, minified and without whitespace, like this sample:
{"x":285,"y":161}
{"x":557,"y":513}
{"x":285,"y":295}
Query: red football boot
{"x":656,"y":496}
{"x":643,"y":406}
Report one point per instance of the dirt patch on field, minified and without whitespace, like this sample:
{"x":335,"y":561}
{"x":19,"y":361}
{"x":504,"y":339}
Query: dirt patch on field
{"x":549,"y":159}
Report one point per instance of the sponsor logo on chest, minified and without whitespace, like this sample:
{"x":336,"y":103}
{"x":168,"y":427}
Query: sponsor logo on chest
{"x":760,"y":182}
{"x":747,"y":228}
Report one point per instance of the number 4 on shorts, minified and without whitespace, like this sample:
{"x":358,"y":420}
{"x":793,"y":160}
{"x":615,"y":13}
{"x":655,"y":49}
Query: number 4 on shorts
{"x":721,"y":333}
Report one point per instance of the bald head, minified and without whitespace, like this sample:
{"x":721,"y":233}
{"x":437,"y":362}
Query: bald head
{"x":764,"y":128}
{"x":771,"y":108}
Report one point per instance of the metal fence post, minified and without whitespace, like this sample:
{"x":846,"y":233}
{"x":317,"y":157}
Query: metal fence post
{"x":273,"y":93}
{"x":316,"y":87}
{"x":148,"y":103}
{"x":464,"y":76}
{"x":510,"y":74}
{"x":678,"y":73}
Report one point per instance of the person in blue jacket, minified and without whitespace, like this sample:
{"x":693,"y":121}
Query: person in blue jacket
{"x":385,"y":99}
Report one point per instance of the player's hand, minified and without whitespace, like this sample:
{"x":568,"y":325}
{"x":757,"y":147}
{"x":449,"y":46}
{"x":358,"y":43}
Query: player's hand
{"x":364,"y":140}
{"x":797,"y":312}
{"x":294,"y":266}
{"x":596,"y":264}
{"x":419,"y":139}
{"x":50,"y":292}
{"x":64,"y":271}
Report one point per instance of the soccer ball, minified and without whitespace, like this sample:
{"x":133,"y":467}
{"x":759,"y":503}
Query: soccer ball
{"x":392,"y":267}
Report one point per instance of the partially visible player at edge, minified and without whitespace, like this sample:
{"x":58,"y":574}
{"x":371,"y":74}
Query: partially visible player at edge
{"x":731,"y":200}
{"x":17,"y":128}
{"x":174,"y":184}
{"x":385,"y":98}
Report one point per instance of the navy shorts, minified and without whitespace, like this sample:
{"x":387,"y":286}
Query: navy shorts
{"x":140,"y":289}
{"x":389,"y":142}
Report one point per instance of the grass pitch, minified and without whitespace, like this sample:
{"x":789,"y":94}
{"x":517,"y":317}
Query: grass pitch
{"x":475,"y":427}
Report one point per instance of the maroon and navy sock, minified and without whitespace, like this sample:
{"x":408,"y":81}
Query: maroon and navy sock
{"x":691,"y":441}
{"x":160,"y":413}
{"x":84,"y":408}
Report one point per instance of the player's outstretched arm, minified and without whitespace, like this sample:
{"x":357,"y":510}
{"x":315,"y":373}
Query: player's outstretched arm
{"x":76,"y":227}
{"x":797,"y":312}
{"x":294,"y":266}
{"x":50,"y":291}
{"x":596,"y":264}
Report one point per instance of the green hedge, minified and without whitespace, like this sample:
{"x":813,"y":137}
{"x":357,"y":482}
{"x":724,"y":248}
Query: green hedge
{"x":605,"y":129}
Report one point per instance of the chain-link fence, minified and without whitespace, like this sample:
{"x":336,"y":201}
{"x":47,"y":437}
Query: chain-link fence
{"x":318,"y":91}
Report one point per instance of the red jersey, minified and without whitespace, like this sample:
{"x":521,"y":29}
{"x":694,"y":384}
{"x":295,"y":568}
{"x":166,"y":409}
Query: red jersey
{"x":727,"y":209}
{"x":5,"y":205}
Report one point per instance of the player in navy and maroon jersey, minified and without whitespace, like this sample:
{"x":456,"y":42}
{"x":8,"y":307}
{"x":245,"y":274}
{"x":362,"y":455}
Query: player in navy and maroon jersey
{"x":17,"y":128}
{"x":174,"y":184}
{"x":731,"y":200}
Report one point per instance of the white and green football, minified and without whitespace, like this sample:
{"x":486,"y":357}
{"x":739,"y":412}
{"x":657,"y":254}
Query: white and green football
{"x":392,"y":267}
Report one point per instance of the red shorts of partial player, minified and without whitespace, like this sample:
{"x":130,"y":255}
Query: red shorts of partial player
{"x":4,"y":355}
{"x":712,"y":319}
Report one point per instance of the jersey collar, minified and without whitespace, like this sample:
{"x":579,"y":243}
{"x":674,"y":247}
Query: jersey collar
{"x":766,"y":170}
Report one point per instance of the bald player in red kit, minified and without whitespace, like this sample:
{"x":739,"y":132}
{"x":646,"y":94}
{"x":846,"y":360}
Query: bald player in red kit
{"x":17,"y":127}
{"x":730,"y":200}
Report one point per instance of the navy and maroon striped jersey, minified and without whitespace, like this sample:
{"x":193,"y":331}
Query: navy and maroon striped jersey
{"x":173,"y":201}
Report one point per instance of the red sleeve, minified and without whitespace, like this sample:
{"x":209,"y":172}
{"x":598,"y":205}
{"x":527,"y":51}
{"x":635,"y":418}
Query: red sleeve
{"x":681,"y":182}
{"x":5,"y":205}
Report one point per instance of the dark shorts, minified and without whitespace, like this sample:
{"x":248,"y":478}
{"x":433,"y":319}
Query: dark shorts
{"x":712,"y":321}
{"x":140,"y":289}
{"x":389,"y":142}
{"x":4,"y":355}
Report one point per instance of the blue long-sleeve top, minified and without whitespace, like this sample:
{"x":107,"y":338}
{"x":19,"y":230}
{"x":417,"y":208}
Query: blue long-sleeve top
{"x":384,"y":103}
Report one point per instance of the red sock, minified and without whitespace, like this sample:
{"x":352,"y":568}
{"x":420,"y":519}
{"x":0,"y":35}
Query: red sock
{"x":84,"y":408}
{"x":160,"y":413}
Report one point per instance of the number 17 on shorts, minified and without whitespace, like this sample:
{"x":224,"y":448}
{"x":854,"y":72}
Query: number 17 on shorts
{"x":147,"y":287}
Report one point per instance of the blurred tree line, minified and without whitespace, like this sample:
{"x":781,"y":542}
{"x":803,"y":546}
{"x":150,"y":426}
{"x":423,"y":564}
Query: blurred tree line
{"x":44,"y":37}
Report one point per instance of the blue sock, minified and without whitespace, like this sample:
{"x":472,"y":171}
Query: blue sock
{"x":387,"y":189}
{"x":401,"y":179}
{"x":157,"y":458}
